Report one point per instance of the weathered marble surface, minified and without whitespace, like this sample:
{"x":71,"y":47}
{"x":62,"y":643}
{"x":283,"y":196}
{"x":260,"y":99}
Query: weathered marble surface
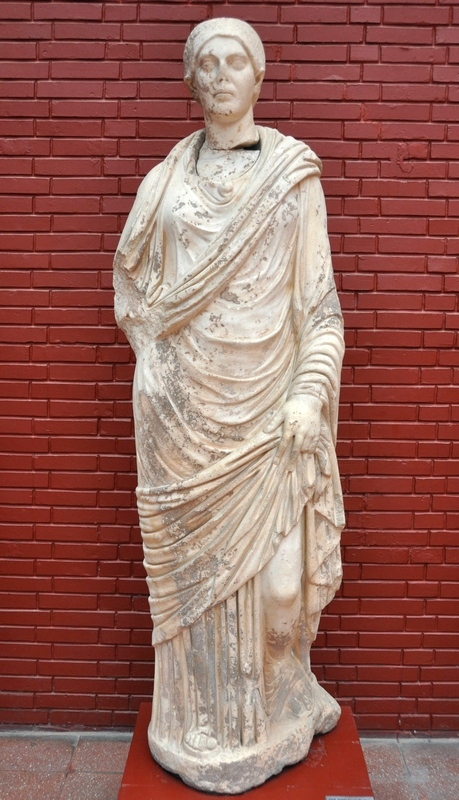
{"x":224,"y":287}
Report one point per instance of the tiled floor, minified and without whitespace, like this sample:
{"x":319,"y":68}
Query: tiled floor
{"x":413,"y":769}
{"x":71,"y":766}
{"x":62,"y":766}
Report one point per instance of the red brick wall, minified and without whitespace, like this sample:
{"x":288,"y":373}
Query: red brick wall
{"x":92,"y":98}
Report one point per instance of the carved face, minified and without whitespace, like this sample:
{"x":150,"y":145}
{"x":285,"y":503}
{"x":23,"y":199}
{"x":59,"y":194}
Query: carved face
{"x":224,"y":82}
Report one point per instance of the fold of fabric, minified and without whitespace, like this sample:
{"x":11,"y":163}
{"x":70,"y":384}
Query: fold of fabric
{"x":213,"y":503}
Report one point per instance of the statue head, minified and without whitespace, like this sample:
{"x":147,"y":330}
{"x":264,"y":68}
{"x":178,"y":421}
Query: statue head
{"x":224,"y":27}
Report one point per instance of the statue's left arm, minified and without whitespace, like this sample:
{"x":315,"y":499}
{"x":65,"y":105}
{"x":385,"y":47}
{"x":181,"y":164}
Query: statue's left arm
{"x":313,"y":395}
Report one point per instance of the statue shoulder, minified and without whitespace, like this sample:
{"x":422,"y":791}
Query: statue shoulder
{"x":288,"y":145}
{"x":155,"y":177}
{"x":141,"y":219}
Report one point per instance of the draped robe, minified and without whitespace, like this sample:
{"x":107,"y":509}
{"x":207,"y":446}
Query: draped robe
{"x":226,"y":294}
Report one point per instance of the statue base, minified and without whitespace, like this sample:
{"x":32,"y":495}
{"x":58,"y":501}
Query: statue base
{"x":333,"y":770}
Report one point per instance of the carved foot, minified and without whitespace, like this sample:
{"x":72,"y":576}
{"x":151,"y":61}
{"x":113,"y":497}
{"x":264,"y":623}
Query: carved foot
{"x":327,"y":709}
{"x":287,"y":688}
{"x":200,"y":739}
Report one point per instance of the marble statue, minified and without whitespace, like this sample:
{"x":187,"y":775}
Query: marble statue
{"x":224,"y":288}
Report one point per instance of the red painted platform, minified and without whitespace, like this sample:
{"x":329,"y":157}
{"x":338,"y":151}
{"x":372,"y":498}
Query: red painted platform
{"x":334,"y":769}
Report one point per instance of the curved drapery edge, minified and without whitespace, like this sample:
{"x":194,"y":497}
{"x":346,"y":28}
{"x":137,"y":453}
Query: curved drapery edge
{"x":206,"y":536}
{"x":230,"y":516}
{"x":284,"y":163}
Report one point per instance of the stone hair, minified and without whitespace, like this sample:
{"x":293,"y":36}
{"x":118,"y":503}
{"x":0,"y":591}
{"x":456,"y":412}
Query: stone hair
{"x":223,"y":26}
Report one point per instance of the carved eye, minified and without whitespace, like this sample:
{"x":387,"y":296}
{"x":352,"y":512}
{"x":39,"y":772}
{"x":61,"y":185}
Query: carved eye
{"x":207,"y":64}
{"x":238,"y":62}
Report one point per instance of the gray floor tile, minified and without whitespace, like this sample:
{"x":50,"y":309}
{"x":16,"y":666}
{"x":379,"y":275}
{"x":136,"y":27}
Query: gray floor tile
{"x":393,"y":790}
{"x":433,"y":767}
{"x":17,"y":785}
{"x":384,"y":759}
{"x":91,"y":786}
{"x":92,"y":755}
{"x":24,"y":753}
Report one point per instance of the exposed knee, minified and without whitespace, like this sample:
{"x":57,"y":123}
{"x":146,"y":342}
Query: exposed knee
{"x":281,"y":578}
{"x":284,"y":593}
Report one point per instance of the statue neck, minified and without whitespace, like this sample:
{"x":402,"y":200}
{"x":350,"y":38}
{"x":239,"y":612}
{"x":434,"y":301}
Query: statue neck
{"x":227,"y":136}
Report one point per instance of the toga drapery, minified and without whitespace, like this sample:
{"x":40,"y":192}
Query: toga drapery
{"x":226,"y":294}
